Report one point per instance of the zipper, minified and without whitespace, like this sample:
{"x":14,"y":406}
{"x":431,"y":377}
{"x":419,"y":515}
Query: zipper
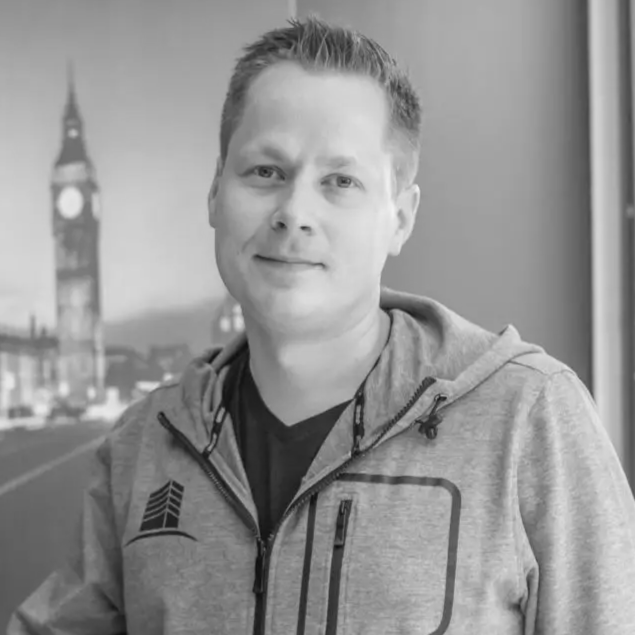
{"x":212,"y":473}
{"x":342,"y":523}
{"x":262,"y":558}
{"x":339,"y":541}
{"x":260,"y":586}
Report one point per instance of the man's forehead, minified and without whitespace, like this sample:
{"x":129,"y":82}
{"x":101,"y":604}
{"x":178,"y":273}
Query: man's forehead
{"x":345,"y":101}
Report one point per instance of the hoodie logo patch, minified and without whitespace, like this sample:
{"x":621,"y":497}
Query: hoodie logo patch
{"x":161,"y":517}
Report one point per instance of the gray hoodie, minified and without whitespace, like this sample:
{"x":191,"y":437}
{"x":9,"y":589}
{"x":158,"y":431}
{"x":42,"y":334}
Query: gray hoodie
{"x":470,"y":488}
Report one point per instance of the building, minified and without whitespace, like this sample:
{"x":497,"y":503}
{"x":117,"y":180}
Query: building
{"x":131,"y":375}
{"x":172,"y":360}
{"x":28,"y":369}
{"x":227,"y":322}
{"x":124,"y":367}
{"x":75,"y":222}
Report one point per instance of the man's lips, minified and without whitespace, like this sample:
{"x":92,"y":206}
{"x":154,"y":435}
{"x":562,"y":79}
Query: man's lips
{"x":289,"y":261}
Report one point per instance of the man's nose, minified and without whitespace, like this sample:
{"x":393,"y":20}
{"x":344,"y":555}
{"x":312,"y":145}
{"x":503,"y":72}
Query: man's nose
{"x":294,"y":211}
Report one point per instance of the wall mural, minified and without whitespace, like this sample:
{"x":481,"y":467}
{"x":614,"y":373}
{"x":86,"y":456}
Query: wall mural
{"x":117,"y":289}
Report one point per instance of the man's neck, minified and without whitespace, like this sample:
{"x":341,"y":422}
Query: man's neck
{"x":300,"y":379}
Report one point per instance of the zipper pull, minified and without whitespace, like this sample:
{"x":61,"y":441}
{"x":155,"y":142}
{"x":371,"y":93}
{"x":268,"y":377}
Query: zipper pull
{"x":218,"y":422}
{"x":429,"y":424}
{"x":358,"y":424}
{"x":259,"y":582}
{"x":342,"y":523}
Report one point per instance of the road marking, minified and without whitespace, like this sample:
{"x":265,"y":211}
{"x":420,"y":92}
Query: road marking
{"x":33,"y":474}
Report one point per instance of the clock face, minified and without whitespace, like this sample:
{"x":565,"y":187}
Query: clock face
{"x":70,"y":202}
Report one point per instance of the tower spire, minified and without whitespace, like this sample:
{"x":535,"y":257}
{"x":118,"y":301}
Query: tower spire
{"x":70,"y":76}
{"x":73,"y":148}
{"x":72,"y":111}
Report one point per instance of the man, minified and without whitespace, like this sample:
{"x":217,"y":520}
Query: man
{"x":363,"y":461}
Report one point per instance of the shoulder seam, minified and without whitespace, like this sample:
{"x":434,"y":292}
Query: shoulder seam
{"x":563,"y":368}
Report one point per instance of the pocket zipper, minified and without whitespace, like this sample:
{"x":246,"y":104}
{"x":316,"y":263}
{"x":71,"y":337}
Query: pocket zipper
{"x":341,"y":527}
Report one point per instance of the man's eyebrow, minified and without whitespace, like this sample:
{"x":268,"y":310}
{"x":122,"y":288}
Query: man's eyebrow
{"x":267,"y":150}
{"x":277,"y":154}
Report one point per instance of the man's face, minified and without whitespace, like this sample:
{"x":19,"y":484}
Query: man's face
{"x":308,"y":177}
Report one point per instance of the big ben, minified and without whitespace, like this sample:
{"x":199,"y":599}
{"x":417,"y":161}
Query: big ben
{"x":75,"y":202}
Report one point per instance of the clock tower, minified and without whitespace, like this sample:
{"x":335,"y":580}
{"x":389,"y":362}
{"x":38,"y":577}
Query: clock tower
{"x":75,"y":208}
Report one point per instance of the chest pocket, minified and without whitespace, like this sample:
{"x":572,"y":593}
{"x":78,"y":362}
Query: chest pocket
{"x":394,"y":552}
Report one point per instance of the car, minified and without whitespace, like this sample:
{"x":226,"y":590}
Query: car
{"x":66,"y":410}
{"x":20,"y":411}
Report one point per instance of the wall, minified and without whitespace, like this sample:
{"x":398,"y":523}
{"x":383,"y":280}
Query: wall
{"x":503,"y":230}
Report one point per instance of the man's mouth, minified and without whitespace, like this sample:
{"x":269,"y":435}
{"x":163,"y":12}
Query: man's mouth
{"x":293,"y":263}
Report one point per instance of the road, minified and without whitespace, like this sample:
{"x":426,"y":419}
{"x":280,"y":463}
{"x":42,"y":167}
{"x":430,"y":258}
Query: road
{"x":43,"y":474}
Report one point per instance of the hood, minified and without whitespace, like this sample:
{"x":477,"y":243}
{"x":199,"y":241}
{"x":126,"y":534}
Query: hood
{"x":427,"y":339}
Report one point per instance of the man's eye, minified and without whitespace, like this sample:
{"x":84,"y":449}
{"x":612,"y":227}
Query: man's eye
{"x":343,"y":182}
{"x":264,"y":171}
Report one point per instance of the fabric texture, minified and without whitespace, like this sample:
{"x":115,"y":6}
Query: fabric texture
{"x":515,"y":518}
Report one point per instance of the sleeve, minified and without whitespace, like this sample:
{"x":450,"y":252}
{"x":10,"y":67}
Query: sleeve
{"x":85,"y":595}
{"x":578,"y":518}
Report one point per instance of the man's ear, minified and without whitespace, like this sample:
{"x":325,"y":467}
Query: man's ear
{"x":213,"y":192}
{"x":406,"y":206}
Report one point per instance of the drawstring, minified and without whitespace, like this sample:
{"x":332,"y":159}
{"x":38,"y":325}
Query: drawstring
{"x":219,"y":419}
{"x":429,"y":424}
{"x":358,"y":421}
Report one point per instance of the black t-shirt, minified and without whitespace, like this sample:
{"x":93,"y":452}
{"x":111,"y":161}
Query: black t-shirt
{"x":276,"y":456}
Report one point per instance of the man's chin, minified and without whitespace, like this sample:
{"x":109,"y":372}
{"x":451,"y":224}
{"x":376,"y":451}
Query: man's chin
{"x":292,"y":310}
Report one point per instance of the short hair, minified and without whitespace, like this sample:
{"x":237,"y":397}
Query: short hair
{"x":317,"y":45}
